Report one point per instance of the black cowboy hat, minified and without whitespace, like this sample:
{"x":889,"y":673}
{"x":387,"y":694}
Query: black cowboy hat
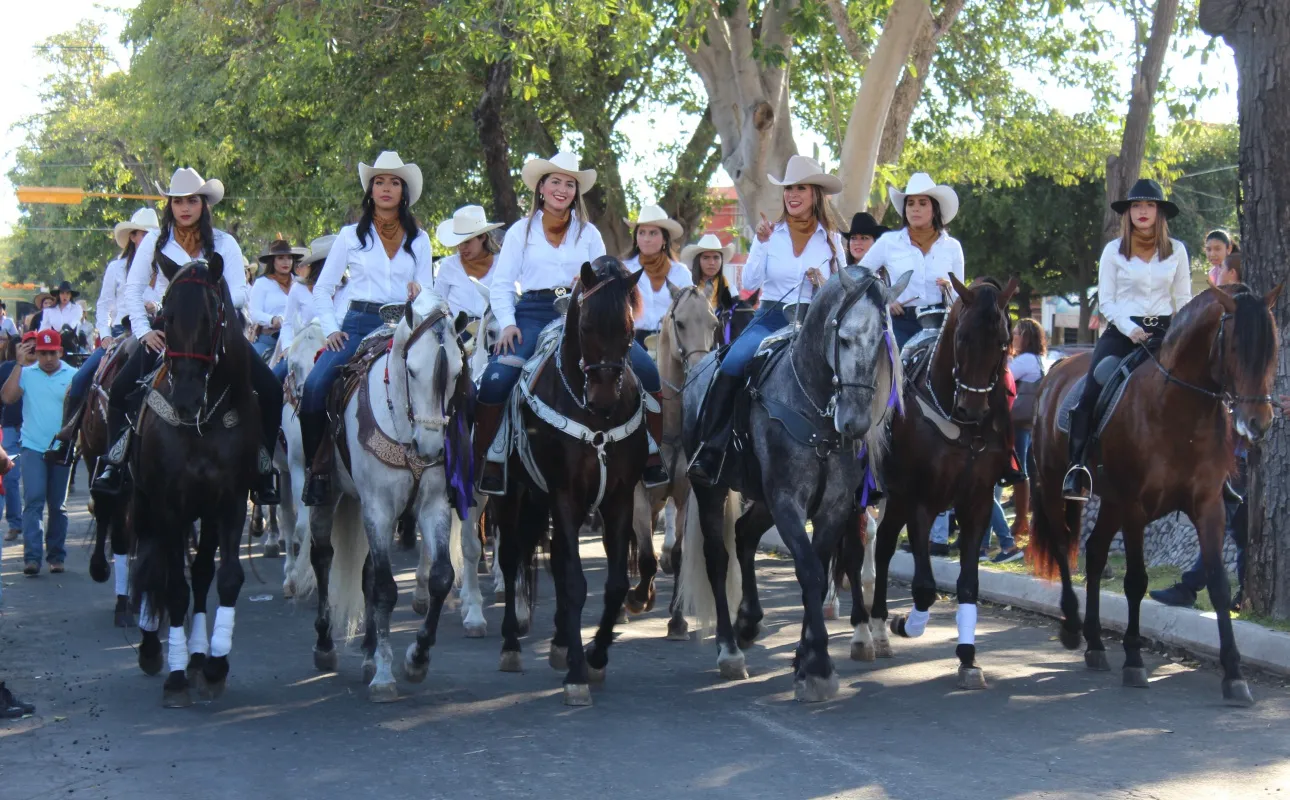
{"x":1146,"y":189}
{"x":281,"y":247}
{"x":863,"y":224}
{"x":66,"y":286}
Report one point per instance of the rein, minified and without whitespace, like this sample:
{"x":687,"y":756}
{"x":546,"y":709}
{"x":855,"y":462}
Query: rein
{"x":831,"y":406}
{"x":619,"y":366}
{"x":212,"y":357}
{"x":959,"y":385}
{"x":1223,"y":396}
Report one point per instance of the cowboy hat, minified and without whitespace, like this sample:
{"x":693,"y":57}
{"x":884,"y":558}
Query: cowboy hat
{"x":66,"y":286}
{"x":40,"y":298}
{"x":922,"y":183}
{"x":145,"y":219}
{"x":801,"y":169}
{"x":467,"y":222}
{"x":389,"y":163}
{"x":563,"y":163}
{"x":863,"y":224}
{"x":656,"y":216}
{"x":319,"y":248}
{"x":280,"y":247}
{"x":1146,"y":189}
{"x":186,"y":182}
{"x":708,"y":244}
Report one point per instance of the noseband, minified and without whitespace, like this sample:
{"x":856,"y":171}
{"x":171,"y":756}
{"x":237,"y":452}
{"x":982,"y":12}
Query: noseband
{"x":619,"y":366}
{"x":433,"y":322}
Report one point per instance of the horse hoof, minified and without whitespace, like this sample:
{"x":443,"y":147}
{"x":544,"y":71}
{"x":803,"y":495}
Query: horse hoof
{"x":678,"y":631}
{"x":1237,"y":693}
{"x":1096,"y":659}
{"x":369,"y":669}
{"x":814,"y":689}
{"x":1136,"y":677}
{"x":622,"y":617}
{"x":577,"y":694}
{"x":476,"y":630}
{"x":733,"y":668}
{"x":326,"y":660}
{"x":413,"y":670}
{"x":633,"y":605}
{"x":99,"y":571}
{"x":288,"y":590}
{"x":196,"y":665}
{"x":382,"y":692}
{"x":511,"y":661}
{"x":1070,"y":639}
{"x":747,"y":637}
{"x":272,"y":551}
{"x":596,"y":676}
{"x":896,"y":624}
{"x":665,"y":562}
{"x":420,"y":606}
{"x":864,"y":651}
{"x":971,"y":678}
{"x":150,"y":664}
{"x":882,"y":648}
{"x":558,"y":658}
{"x":176,"y":698}
{"x":122,"y":618}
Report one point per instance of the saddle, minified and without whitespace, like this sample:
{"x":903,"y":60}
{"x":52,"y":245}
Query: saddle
{"x":1112,"y":375}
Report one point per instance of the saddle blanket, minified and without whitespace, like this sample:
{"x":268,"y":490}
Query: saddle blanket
{"x":1114,"y":377}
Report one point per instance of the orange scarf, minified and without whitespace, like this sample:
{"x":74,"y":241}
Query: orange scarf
{"x":923,"y":238}
{"x":555,"y":225}
{"x":657,"y":268}
{"x":477,"y":268}
{"x":1143,"y":244}
{"x":282,"y":280}
{"x":801,"y":230}
{"x":188,"y":238}
{"x":390,"y":229}
{"x":712,"y":287}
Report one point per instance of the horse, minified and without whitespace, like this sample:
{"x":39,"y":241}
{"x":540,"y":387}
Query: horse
{"x":583,"y":411}
{"x":403,"y":434}
{"x":197,"y":455}
{"x":949,"y":447}
{"x":297,"y":571}
{"x":1212,"y":379}
{"x":813,"y":426}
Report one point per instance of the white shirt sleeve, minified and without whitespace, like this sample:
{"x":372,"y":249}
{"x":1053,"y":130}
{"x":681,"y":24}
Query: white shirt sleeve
{"x":288,"y":331}
{"x":136,"y":281}
{"x":1108,"y":288}
{"x":257,"y":314}
{"x":234,"y":267}
{"x":424,"y":257}
{"x":105,"y":308}
{"x":596,"y":245}
{"x":1181,"y":290}
{"x":77,"y":315}
{"x":506,"y":270}
{"x":956,"y":266}
{"x":333,"y":270}
{"x":754,"y":272}
{"x":877,"y":255}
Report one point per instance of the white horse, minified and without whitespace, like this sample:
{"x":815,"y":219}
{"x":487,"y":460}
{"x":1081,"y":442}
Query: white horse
{"x":410,"y":414}
{"x":298,"y":573}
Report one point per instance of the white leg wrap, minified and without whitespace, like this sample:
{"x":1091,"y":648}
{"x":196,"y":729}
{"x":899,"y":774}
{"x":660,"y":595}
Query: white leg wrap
{"x":148,"y":621}
{"x":121,"y":574}
{"x":177,"y":656}
{"x":197,"y":642}
{"x":966,"y":618}
{"x":222,"y":636}
{"x":916,"y":623}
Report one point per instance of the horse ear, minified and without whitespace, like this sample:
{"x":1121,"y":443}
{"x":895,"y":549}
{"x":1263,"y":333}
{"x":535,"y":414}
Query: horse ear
{"x":754,"y":299}
{"x":963,"y":291}
{"x":587,"y":276}
{"x":483,"y":290}
{"x":673,"y":290}
{"x":896,"y":291}
{"x":1225,"y":300}
{"x":459,"y":324}
{"x":848,"y":282}
{"x":215,"y":266}
{"x":634,"y":278}
{"x":882,"y":273}
{"x":1270,"y":299}
{"x":1008,"y":292}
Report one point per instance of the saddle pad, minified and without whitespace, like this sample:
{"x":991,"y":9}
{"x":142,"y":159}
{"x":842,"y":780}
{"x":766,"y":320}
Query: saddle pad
{"x":1107,"y":399}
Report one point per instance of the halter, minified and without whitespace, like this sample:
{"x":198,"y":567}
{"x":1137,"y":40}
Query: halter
{"x":432,"y":322}
{"x":1222,"y":395}
{"x":681,"y":352}
{"x":959,"y":386}
{"x":619,"y":366}
{"x":831,"y":407}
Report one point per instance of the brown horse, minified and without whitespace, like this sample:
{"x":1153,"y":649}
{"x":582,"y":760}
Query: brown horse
{"x":1168,"y":446}
{"x":948,"y":449}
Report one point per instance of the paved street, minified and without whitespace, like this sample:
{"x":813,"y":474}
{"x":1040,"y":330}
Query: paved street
{"x":663,"y":725}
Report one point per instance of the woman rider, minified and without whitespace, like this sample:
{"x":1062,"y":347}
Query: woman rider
{"x":269,"y":293}
{"x":300,"y":304}
{"x":652,"y":238}
{"x":865,"y":230}
{"x":470,"y":233}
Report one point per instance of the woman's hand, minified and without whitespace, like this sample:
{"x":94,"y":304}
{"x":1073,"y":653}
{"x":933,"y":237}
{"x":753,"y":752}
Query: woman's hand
{"x":764,"y":229}
{"x":815,"y":277}
{"x":1139,"y":336}
{"x":275,"y":324}
{"x":336,"y":342}
{"x":150,"y":307}
{"x":506,"y":342}
{"x":414,"y":289}
{"x":896,"y":309}
{"x":944,"y":283}
{"x":154,"y":341}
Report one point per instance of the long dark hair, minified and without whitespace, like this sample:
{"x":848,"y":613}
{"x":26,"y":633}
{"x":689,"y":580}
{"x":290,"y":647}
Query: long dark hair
{"x":577,"y":209}
{"x":203,"y":224}
{"x":129,"y":251}
{"x":667,"y":244}
{"x":409,"y":222}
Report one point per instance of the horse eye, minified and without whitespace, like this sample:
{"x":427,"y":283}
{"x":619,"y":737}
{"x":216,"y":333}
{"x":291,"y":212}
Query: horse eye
{"x":680,"y":326}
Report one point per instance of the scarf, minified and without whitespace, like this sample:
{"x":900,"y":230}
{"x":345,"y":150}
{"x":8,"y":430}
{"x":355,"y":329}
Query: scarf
{"x":188,"y":238}
{"x":657,"y":268}
{"x":477,"y":268}
{"x":1143,"y":244}
{"x":390,"y":229}
{"x":556,"y":225}
{"x":923,"y":238}
{"x":801,"y":230}
{"x":282,"y":280}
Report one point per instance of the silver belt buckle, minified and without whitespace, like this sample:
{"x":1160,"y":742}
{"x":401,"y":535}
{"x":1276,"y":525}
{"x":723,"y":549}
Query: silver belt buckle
{"x":1151,"y":322}
{"x":560,"y":291}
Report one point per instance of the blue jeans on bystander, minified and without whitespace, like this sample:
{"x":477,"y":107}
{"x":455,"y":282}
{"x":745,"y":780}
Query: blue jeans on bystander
{"x":44,"y":487}
{"x":12,"y":481}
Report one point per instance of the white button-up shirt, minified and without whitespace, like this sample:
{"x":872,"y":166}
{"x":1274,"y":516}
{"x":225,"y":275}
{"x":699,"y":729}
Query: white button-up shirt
{"x":374,"y":277}
{"x":654,"y":305}
{"x":300,"y":311}
{"x":1131,"y":287}
{"x":140,"y":275}
{"x":454,"y":286}
{"x":899,"y":255}
{"x":110,"y":307}
{"x":780,"y":275}
{"x":267,"y":301}
{"x":56,"y":317}
{"x":529,"y":261}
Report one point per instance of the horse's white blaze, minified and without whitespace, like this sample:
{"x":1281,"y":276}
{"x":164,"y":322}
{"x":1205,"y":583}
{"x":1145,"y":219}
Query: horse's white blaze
{"x":222,"y":636}
{"x":121,"y":573}
{"x":966,"y":619}
{"x":916,"y":623}
{"x":197,"y":641}
{"x":177,"y":654}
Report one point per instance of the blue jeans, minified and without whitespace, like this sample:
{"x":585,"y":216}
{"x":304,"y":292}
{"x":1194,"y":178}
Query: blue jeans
{"x":904,"y":326}
{"x":43,"y":487}
{"x":328,"y":366}
{"x":80,"y":385}
{"x":769,"y":319}
{"x":999,"y":525}
{"x":534,"y":312}
{"x":264,"y":344}
{"x":12,"y":480}
{"x":1021,"y":440}
{"x":280,"y":370}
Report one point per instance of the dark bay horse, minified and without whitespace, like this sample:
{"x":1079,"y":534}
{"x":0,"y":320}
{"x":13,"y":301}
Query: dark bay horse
{"x":948,"y":449}
{"x":584,"y":417}
{"x":1168,"y":446}
{"x":196,"y":456}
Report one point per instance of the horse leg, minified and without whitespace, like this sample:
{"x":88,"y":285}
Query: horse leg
{"x":1210,"y":520}
{"x":1135,"y":587}
{"x":713,"y":506}
{"x":1096,"y":550}
{"x":678,"y":630}
{"x":472,"y":599}
{"x":421,"y":592}
{"x":175,"y":692}
{"x":436,"y":525}
{"x":923,"y":587}
{"x":228,"y":583}
{"x":506,"y":512}
{"x":814,"y":679}
{"x":385,"y":594}
{"x":257,"y":521}
{"x":273,"y":536}
{"x":203,"y":573}
{"x":640,"y":598}
{"x":671,"y":508}
{"x":321,"y":553}
{"x":749,"y":529}
{"x":974,"y":519}
{"x":567,"y":519}
{"x":368,"y":645}
{"x":869,"y":571}
{"x":893,"y":518}
{"x":618,"y":513}
{"x":851,"y":555}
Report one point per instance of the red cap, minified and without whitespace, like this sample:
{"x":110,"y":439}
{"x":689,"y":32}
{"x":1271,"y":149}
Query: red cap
{"x":48,"y":340}
{"x":29,"y":336}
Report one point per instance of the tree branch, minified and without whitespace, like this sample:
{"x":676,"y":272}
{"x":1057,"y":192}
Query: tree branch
{"x":848,"y":35}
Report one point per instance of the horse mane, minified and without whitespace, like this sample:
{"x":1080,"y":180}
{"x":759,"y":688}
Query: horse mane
{"x":616,"y":301}
{"x":1253,"y":334}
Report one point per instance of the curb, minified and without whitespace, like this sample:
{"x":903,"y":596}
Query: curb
{"x":1186,"y":628}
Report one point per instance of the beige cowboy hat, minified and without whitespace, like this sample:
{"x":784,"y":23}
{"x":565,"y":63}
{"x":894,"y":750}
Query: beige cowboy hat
{"x":389,"y":163}
{"x":187,"y":182}
{"x":708,"y":244}
{"x":145,"y":219}
{"x":319,"y":248}
{"x":922,"y":183}
{"x":563,"y":163}
{"x":467,"y":222}
{"x":656,"y":216}
{"x":801,"y":169}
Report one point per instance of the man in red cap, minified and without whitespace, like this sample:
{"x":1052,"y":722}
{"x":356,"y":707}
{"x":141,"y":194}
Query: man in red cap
{"x":41,"y":390}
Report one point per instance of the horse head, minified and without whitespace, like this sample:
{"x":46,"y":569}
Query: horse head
{"x":196,"y":315}
{"x":692,"y":326}
{"x":599,"y":327}
{"x":1244,"y":365}
{"x":980,"y":331}
{"x":425,"y":362}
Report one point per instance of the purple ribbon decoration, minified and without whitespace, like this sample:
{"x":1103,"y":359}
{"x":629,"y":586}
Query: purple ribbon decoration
{"x":459,"y":466}
{"x":868,"y":484}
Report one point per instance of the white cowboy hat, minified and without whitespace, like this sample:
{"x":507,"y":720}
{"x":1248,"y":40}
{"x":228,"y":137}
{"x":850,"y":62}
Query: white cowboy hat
{"x":389,"y":163}
{"x":708,"y":244}
{"x":319,"y":248}
{"x":186,"y":182}
{"x":922,"y":183}
{"x":145,"y":219}
{"x":801,"y":169}
{"x":563,"y":163}
{"x":656,"y":216}
{"x":467,"y":222}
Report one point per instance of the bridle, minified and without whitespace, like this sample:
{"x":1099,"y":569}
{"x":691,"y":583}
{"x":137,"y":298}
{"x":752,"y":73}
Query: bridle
{"x":959,"y":386}
{"x":837,"y":384}
{"x":1228,"y":399}
{"x":681,"y":352}
{"x":433,"y":322}
{"x":217,"y":341}
{"x":619,"y":366}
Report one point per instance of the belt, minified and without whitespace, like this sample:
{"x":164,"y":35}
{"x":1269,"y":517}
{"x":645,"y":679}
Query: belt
{"x":366,"y":306}
{"x":539,"y":294}
{"x":1156,"y":321}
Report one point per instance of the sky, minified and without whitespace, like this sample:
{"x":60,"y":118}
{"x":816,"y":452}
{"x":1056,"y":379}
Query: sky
{"x":29,"y":24}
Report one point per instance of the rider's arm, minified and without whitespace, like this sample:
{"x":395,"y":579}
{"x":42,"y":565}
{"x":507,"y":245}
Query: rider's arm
{"x":506,"y":271}
{"x":12,"y":390}
{"x":136,"y":282}
{"x":1108,"y":289}
{"x":259,"y":291}
{"x":1181,"y":289}
{"x":333,"y":270}
{"x":105,"y":309}
{"x":234,"y":268}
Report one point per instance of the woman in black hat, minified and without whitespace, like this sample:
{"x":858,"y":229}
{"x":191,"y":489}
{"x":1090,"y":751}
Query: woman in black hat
{"x":865,"y":230}
{"x":1143,"y":279}
{"x":268,"y":305}
{"x":64,"y":313}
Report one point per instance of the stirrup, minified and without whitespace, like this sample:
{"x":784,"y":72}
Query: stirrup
{"x":655,"y":475}
{"x":492,"y":480}
{"x":60,"y":453}
{"x":110,"y":480}
{"x":317,"y":489}
{"x":264,"y":492}
{"x":701,"y":469}
{"x":1077,"y":485}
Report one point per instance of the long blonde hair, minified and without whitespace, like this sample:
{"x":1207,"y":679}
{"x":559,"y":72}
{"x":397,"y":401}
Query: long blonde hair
{"x":578,"y":209}
{"x":1164,"y":247}
{"x":823,"y":212}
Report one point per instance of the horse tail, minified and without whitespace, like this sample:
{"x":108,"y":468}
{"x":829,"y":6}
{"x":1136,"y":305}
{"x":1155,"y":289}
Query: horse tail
{"x":455,"y":556}
{"x":734,"y":575}
{"x":150,"y":575}
{"x":1052,"y":542}
{"x":302,"y":569}
{"x":345,"y":582}
{"x":694,"y":592}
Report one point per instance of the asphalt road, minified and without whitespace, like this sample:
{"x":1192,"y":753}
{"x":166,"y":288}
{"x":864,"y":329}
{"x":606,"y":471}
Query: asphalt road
{"x":663,"y":725}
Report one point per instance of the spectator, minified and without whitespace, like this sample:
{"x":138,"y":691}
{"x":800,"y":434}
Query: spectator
{"x":10,"y":706}
{"x":41,"y":392}
{"x":7,"y":325}
{"x":1008,"y":550}
{"x":11,"y":423}
{"x":1029,"y":346}
{"x":1218,"y":246}
{"x":1229,"y":271}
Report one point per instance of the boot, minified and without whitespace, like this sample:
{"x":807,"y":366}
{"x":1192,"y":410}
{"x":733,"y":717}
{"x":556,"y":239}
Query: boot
{"x":61,"y":452}
{"x":655,"y":473}
{"x":1021,"y":504}
{"x":313,"y":432}
{"x":1078,"y":483}
{"x":488,"y":418}
{"x":714,"y":429}
{"x":264,"y":491}
{"x":111,"y":478}
{"x":1012,"y":472}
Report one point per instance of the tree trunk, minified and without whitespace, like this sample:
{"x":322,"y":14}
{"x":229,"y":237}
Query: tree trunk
{"x":1258,"y":32}
{"x":1084,"y":335}
{"x":1124,"y":169}
{"x":492,"y":138}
